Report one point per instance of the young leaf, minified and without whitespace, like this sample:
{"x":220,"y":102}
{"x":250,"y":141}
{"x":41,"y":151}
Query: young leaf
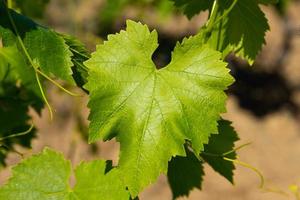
{"x":152,"y":112}
{"x":218,"y":145}
{"x":46,"y":176}
{"x":185,"y":174}
{"x":242,"y":31}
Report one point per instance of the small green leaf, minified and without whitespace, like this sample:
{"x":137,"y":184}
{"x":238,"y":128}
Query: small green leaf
{"x":46,"y":177}
{"x":218,"y":145}
{"x":152,"y":112}
{"x":185,"y":174}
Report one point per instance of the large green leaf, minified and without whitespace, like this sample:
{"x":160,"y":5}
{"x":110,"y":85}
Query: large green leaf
{"x":152,"y":112}
{"x":46,"y":177}
{"x":242,"y":31}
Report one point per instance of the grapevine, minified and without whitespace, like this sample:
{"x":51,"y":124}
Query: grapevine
{"x":167,"y":120}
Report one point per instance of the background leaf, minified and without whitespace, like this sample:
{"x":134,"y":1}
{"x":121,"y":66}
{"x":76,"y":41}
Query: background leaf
{"x":219,"y":144}
{"x":93,"y":180}
{"x":242,"y":31}
{"x":185,"y":174}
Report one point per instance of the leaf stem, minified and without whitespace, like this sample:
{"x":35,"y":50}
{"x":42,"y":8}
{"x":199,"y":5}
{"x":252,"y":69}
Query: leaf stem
{"x":56,"y":84}
{"x":214,"y":19}
{"x":18,"y":134}
{"x":9,"y":4}
{"x":31,"y":63}
{"x":44,"y":96}
{"x":226,"y":12}
{"x":226,"y":153}
{"x":236,"y":149}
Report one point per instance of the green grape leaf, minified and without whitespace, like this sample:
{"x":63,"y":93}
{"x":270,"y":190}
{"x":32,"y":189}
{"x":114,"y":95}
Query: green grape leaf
{"x":242,"y":31}
{"x":46,"y":176}
{"x":184,"y":174}
{"x":80,"y":54}
{"x":50,"y":53}
{"x":218,"y":145}
{"x":192,"y":7}
{"x":32,"y":8}
{"x":152,"y":112}
{"x":46,"y":48}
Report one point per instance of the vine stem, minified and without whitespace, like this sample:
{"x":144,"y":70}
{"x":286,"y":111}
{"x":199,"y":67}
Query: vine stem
{"x":226,"y":12}
{"x":223,"y":156}
{"x":213,"y":15}
{"x":213,"y":19}
{"x":56,"y":84}
{"x":262,"y":180}
{"x":236,"y":149}
{"x":44,"y":96}
{"x":18,"y":134}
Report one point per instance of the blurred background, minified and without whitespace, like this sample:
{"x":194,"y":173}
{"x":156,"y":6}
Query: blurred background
{"x":263,"y":103}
